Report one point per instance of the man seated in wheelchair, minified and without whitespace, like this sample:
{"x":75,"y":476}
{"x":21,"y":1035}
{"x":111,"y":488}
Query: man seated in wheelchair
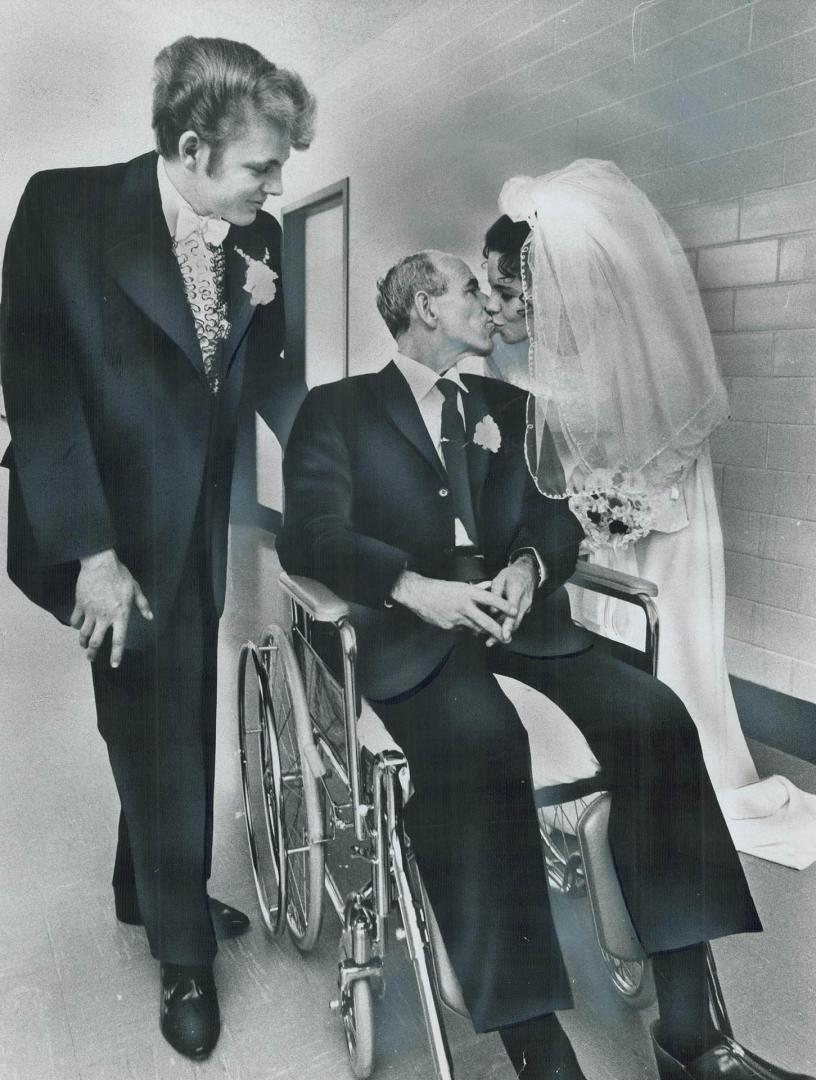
{"x":407,"y":493}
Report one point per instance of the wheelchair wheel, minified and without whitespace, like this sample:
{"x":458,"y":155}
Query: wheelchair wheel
{"x":260,"y":782}
{"x":562,"y":855}
{"x":633,"y":979}
{"x":301,"y":813}
{"x":357,"y":1010}
{"x":356,"y":995}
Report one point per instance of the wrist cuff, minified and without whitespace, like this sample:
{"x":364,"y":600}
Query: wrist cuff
{"x":539,"y":562}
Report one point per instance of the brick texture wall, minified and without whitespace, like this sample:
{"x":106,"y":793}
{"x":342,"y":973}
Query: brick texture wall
{"x":738,"y":187}
{"x":710,"y":106}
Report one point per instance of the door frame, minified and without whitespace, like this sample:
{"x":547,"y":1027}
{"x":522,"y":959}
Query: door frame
{"x":294,"y":218}
{"x":246,"y":508}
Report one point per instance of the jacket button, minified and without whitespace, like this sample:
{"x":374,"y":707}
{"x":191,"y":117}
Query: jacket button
{"x":443,"y":492}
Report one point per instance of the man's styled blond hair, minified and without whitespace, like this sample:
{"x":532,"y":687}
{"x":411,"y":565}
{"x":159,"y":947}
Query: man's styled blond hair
{"x":213,"y":86}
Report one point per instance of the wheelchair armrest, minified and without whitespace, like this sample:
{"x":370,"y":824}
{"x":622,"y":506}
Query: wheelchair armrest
{"x":630,"y":589}
{"x":611,"y":582}
{"x":317,"y":599}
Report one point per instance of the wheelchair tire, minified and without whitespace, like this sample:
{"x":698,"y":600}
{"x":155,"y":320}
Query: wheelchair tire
{"x":357,"y":1008}
{"x":260,"y":782}
{"x":633,"y":980}
{"x":300,"y":792}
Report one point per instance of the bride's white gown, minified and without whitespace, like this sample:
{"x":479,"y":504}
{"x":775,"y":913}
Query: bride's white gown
{"x":770,"y":818}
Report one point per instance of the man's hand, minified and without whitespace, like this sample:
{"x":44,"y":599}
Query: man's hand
{"x":516,"y":584}
{"x":105,"y":592}
{"x":451,"y":604}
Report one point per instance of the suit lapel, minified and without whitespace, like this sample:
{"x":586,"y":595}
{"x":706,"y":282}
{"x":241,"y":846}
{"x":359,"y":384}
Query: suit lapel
{"x":140,"y":258}
{"x":240,"y":309}
{"x":401,"y":408}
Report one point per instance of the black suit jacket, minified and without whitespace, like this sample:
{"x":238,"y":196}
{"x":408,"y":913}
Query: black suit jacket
{"x":113,"y":427}
{"x":366,"y":497}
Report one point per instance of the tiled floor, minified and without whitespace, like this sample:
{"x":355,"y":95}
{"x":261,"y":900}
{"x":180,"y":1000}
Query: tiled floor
{"x":79,"y":991}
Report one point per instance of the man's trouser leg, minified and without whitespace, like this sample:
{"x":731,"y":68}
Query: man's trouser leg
{"x":156,"y":713}
{"x":473,"y":825}
{"x":678,"y":868}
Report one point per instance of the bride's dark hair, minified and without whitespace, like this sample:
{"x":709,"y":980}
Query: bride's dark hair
{"x":507,"y":238}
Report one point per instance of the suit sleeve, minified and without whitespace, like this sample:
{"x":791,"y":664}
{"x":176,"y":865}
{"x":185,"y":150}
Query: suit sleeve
{"x":46,"y":403}
{"x":318,"y":538}
{"x":276,"y":390}
{"x":549,"y":526}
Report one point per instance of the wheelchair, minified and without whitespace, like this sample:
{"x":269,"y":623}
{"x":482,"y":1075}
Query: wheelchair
{"x":321,"y":774}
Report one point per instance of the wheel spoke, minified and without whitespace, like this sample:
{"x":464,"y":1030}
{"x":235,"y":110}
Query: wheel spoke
{"x":296,"y":883}
{"x":628,"y":976}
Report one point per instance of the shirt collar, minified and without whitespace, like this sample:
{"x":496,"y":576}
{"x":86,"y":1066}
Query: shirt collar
{"x":171,"y":199}
{"x":421,"y":379}
{"x":182,"y":220}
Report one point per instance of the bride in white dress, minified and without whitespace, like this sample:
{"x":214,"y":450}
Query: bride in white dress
{"x":585,"y":271}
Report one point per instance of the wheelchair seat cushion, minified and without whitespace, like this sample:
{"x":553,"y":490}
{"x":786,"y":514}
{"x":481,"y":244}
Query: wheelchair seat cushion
{"x":372,"y":732}
{"x":559,"y":752}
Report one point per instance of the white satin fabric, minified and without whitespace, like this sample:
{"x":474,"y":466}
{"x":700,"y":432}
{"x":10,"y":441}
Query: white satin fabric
{"x":769,"y":818}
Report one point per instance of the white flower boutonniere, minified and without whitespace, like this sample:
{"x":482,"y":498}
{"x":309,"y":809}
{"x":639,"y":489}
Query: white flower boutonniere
{"x":486,"y":434}
{"x":260,"y":279}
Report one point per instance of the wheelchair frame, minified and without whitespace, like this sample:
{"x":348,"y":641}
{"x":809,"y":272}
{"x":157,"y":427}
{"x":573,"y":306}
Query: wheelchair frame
{"x":305,"y":772}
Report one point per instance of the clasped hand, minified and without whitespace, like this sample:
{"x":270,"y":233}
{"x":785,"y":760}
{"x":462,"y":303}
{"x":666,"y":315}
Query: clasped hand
{"x":516,"y":584}
{"x":495,"y":609}
{"x":105,"y":593}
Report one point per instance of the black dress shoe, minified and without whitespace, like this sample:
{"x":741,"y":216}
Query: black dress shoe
{"x":189,"y":1016}
{"x":228,"y":922}
{"x":726,"y":1060}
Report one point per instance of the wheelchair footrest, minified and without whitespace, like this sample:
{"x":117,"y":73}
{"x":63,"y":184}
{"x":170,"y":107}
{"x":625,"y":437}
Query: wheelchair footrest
{"x":613,"y":923}
{"x":447,"y":984}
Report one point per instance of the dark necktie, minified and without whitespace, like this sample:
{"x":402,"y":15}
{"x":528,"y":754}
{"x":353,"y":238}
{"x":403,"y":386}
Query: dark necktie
{"x":454,"y":453}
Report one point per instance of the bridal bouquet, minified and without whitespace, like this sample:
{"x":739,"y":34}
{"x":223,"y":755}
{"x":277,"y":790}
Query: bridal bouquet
{"x":614,"y":508}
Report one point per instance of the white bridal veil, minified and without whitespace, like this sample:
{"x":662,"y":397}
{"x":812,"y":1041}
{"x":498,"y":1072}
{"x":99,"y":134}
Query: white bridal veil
{"x":620,"y":356}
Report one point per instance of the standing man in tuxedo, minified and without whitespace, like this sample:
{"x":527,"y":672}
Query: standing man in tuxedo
{"x":407,"y":492}
{"x":142,"y":319}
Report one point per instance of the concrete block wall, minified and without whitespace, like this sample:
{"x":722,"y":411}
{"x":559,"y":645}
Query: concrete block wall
{"x":710,"y":106}
{"x":737,"y":184}
{"x":761,"y":299}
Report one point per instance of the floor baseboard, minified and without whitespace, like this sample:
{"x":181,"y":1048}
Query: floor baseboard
{"x":776,"y":719}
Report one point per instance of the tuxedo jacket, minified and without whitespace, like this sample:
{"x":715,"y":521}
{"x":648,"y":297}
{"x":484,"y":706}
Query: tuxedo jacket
{"x":366,"y":496}
{"x":117,"y":441}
